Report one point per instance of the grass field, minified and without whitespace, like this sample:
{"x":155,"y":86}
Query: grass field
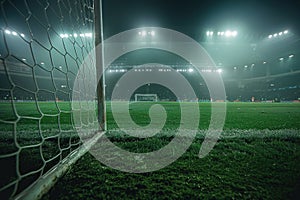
{"x":257,"y":156}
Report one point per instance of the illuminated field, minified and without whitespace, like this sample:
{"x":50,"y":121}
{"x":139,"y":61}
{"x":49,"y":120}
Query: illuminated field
{"x":257,"y":157}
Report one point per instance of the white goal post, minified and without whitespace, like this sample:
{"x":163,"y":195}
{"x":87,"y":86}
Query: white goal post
{"x":145,"y":97}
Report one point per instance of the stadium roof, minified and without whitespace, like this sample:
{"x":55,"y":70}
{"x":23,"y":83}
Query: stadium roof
{"x":194,"y":17}
{"x":252,"y":23}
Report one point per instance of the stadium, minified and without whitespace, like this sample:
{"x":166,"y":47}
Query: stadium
{"x":111,"y":99}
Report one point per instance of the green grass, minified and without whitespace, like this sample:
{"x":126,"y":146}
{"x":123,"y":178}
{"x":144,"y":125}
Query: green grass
{"x":239,"y":115}
{"x":236,"y":168}
{"x":257,"y":156}
{"x":36,"y":136}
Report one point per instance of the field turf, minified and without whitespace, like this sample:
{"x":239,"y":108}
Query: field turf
{"x":257,"y":157}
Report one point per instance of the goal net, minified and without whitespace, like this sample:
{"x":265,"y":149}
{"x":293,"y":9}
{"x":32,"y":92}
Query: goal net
{"x":145,"y":97}
{"x":42,"y":46}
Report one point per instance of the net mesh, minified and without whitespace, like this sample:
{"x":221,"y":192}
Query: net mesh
{"x":42,"y":45}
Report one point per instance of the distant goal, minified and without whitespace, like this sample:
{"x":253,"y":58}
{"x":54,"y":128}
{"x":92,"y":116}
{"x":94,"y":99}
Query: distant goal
{"x":145,"y":97}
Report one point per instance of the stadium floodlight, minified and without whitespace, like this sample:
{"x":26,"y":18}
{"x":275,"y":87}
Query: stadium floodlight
{"x":75,"y":35}
{"x":290,"y":56}
{"x":64,"y":35}
{"x":264,"y":62}
{"x":285,"y":32}
{"x":228,"y":33}
{"x":88,"y":35}
{"x":81,"y":35}
{"x":209,"y":33}
{"x":24,"y":59}
{"x":234,"y":33}
{"x":22,"y":35}
{"x":281,"y":59}
{"x":270,"y":36}
{"x":219,"y":71}
{"x":144,"y":33}
{"x":280,"y":33}
{"x":7,"y":31}
{"x":219,"y":33}
{"x":235,"y":68}
{"x":42,"y":63}
{"x":14,"y":33}
{"x":275,"y":35}
{"x":190,"y":70}
{"x":246,"y":66}
{"x":222,"y":33}
{"x":152,"y":33}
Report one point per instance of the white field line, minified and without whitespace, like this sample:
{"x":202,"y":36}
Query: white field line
{"x":228,"y":133}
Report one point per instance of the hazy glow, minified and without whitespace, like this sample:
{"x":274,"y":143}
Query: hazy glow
{"x":209,"y":33}
{"x":228,"y":33}
{"x":8,"y":32}
{"x":234,"y":33}
{"x":281,"y":33}
{"x":88,"y":34}
{"x":75,"y":35}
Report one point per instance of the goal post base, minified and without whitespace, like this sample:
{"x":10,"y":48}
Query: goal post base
{"x":48,"y":180}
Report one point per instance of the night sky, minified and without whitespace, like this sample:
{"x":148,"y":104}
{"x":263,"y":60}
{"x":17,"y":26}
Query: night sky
{"x":194,"y":17}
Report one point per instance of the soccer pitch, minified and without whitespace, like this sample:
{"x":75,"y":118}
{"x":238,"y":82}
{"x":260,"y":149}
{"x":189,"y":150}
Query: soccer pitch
{"x":257,"y":155}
